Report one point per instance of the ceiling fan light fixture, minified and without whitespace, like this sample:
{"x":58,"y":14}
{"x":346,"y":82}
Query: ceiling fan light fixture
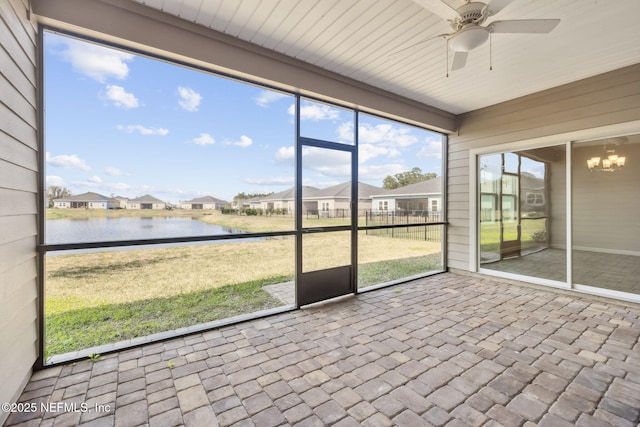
{"x":469,"y":38}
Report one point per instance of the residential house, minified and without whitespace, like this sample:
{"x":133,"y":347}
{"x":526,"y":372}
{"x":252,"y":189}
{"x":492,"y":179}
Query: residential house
{"x":204,"y":203}
{"x":89,"y":200}
{"x":146,"y":202}
{"x":424,"y":196}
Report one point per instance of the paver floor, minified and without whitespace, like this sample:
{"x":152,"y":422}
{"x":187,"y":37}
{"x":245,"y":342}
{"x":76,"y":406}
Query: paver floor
{"x":446,"y":350}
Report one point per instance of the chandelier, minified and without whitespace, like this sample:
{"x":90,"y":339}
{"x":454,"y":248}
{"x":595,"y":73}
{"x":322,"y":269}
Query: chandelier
{"x":611,"y":162}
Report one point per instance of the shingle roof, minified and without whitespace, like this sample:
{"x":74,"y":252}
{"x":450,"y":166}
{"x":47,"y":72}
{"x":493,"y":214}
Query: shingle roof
{"x":206,"y":199}
{"x":336,"y":191}
{"x":430,"y":186}
{"x":86,"y":197}
{"x":147,"y":198}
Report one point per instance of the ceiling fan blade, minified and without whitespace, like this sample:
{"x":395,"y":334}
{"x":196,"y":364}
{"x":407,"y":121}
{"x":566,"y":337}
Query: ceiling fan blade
{"x":495,"y":6}
{"x":440,"y":8}
{"x":459,"y":60}
{"x":524,"y":26}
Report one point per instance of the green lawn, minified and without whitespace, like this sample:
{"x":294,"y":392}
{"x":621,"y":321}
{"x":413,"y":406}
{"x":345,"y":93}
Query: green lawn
{"x":102,"y":297}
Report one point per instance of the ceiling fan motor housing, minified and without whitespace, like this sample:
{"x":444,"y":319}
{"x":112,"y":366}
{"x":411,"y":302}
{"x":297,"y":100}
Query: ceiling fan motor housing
{"x":470,"y":13}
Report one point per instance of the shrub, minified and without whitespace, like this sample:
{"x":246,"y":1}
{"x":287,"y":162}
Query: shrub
{"x":539,"y":236}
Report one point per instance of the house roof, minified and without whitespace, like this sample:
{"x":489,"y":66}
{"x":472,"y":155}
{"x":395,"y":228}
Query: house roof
{"x":343,"y":191}
{"x":340,"y":191}
{"x":430,"y":186}
{"x":86,"y":197}
{"x":206,"y":199}
{"x":147,"y":198}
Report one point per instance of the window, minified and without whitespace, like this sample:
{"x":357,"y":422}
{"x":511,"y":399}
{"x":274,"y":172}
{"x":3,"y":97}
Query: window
{"x":161,"y":137}
{"x":535,"y":199}
{"x":179,"y":227}
{"x":404,"y":163}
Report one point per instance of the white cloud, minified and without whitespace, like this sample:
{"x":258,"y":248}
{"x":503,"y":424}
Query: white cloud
{"x":331,"y":163}
{"x":55,"y":180}
{"x":387,"y":135}
{"x":111,"y":171}
{"x":285,"y":155}
{"x":189,"y":99}
{"x":315,"y":112}
{"x":379,"y":172}
{"x":367,"y":152}
{"x":121,"y":98}
{"x":95,"y":180}
{"x":267,"y":97}
{"x":142,"y":130}
{"x":243,"y":142}
{"x":432,"y":149}
{"x":97,"y":62}
{"x":279,"y":180}
{"x":67,"y":161}
{"x":204,"y":139}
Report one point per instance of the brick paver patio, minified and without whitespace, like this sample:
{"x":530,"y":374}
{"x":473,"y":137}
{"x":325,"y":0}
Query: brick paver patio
{"x":446,"y":350}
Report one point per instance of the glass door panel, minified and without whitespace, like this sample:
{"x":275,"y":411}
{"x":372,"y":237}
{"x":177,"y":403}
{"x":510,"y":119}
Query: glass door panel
{"x":326,"y":221}
{"x":490,"y":167}
{"x":522,"y":205}
{"x":510,"y":245}
{"x":606,"y":201}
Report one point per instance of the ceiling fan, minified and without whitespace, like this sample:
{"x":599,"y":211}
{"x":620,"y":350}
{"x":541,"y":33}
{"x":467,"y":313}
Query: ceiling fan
{"x":469,"y":33}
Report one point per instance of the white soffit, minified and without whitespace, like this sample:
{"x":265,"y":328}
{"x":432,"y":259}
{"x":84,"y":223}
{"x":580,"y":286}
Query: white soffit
{"x":357,"y":39}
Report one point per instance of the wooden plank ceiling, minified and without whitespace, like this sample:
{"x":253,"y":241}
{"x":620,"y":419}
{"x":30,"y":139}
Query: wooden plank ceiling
{"x":360,"y":39}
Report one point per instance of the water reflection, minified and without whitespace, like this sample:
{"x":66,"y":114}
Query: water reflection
{"x":142,"y":228}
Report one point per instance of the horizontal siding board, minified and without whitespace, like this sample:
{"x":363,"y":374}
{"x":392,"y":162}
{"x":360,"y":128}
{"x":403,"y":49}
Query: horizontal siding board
{"x":23,"y":82}
{"x":14,"y":177}
{"x":18,"y":195}
{"x":19,"y":310}
{"x":455,"y":180}
{"x":19,"y":104}
{"x":490,"y":115}
{"x":17,"y":252}
{"x":17,"y":227}
{"x":21,"y":368}
{"x":21,"y":275}
{"x":617,"y":98}
{"x":14,"y":125}
{"x":18,"y":153}
{"x":24,"y":58}
{"x":599,"y":116}
{"x":14,"y":15}
{"x":17,"y":202}
{"x":460,"y":163}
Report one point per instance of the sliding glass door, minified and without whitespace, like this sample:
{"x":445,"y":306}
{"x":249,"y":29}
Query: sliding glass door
{"x":529,"y":199}
{"x":522,"y":225}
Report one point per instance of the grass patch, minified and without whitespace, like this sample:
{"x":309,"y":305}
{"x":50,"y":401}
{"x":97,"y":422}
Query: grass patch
{"x":385,"y":271}
{"x":96,"y":298}
{"x":75,"y":329}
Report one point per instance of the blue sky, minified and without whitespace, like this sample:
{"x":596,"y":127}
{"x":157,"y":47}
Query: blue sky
{"x":126,"y":125}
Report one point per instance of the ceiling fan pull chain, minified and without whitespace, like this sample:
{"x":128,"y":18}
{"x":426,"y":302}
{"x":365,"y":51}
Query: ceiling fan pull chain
{"x":490,"y":52}
{"x":447,"y":63}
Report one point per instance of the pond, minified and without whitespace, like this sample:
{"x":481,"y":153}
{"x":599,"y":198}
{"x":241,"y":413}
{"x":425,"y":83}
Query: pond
{"x":106,"y":229}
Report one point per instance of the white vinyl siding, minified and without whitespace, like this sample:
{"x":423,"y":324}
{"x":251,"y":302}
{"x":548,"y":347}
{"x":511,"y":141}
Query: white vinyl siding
{"x":18,"y":192}
{"x":607,"y":99}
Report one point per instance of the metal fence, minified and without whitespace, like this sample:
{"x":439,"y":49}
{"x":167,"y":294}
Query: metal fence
{"x":431,"y":233}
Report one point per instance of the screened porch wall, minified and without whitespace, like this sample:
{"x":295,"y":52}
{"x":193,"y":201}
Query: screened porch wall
{"x":607,"y":99}
{"x":18,"y":191}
